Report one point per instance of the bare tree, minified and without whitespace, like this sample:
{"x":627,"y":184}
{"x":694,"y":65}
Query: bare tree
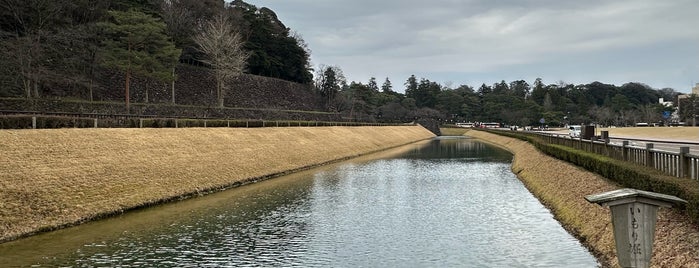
{"x":177,"y":18}
{"x":29,"y":20}
{"x":651,"y":113}
{"x":689,"y":108}
{"x":26,"y":54}
{"x":602,"y":115}
{"x":184,"y":19}
{"x":223,"y":47}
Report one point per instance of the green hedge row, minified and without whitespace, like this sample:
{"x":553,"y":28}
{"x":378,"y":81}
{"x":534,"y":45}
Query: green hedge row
{"x":23,"y":122}
{"x":626,"y":174}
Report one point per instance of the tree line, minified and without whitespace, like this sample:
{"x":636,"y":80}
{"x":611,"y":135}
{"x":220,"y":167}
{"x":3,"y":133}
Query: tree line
{"x":514,"y":103}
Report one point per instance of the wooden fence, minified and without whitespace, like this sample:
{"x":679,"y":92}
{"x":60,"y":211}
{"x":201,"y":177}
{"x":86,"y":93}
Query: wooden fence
{"x":680,"y":164}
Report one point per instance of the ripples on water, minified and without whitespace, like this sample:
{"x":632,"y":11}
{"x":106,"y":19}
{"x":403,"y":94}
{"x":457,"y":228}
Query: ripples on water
{"x":454,"y":203}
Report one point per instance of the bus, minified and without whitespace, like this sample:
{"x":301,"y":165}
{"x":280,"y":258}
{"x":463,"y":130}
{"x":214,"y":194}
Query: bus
{"x":490,"y":125}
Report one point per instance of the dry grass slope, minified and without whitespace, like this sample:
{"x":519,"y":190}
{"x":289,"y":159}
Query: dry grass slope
{"x":55,"y":178}
{"x":562,"y":187}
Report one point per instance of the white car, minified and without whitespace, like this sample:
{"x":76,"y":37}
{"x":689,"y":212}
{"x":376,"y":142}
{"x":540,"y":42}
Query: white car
{"x":574,"y":131}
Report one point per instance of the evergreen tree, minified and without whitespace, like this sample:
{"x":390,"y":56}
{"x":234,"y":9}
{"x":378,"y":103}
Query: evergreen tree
{"x":501,"y":88}
{"x":137,"y":44}
{"x":411,"y":87}
{"x":329,"y":81}
{"x":484,"y":90}
{"x":275,"y":52}
{"x":600,"y":92}
{"x":450,"y":102}
{"x":520,"y":88}
{"x":426,"y":93}
{"x":373,"y":85}
{"x":538,"y":91}
{"x":387,"y":87}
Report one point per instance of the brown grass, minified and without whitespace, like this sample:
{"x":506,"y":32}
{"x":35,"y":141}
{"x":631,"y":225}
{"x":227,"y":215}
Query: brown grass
{"x":55,"y":178}
{"x":562,"y":187}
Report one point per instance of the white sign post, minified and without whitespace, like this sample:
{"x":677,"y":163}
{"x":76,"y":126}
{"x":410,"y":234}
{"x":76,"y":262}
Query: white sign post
{"x":634,"y":213}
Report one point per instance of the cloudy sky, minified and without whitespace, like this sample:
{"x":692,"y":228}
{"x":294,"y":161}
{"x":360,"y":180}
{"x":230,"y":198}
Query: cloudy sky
{"x":471,"y":42}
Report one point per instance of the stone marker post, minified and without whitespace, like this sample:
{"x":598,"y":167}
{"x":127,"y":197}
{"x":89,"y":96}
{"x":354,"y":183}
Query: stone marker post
{"x":633,"y":217}
{"x":605,"y":136}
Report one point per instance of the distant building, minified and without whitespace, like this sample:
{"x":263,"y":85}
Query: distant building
{"x":665,"y":103}
{"x":695,"y":91}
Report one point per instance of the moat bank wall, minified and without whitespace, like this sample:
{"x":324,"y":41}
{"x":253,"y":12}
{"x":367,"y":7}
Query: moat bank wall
{"x":56,"y":178}
{"x":562,"y":187}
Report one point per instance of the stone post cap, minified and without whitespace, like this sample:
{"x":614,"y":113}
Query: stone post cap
{"x":628,"y":195}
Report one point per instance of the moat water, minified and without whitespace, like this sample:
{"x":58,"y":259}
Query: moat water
{"x":449,"y":202}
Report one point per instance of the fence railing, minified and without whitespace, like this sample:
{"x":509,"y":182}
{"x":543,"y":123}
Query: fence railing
{"x":34,"y":120}
{"x":680,"y":164}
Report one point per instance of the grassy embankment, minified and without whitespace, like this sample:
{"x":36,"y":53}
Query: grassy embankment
{"x":55,"y":178}
{"x":562,"y":187}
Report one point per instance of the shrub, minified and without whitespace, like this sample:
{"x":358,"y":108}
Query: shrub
{"x":16,"y":122}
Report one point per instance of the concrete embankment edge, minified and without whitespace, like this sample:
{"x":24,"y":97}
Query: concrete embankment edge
{"x":562,"y":187}
{"x":57,"y":178}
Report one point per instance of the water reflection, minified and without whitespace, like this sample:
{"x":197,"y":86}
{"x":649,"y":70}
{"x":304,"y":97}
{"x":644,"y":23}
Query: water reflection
{"x":460,"y":149}
{"x":448,"y":202}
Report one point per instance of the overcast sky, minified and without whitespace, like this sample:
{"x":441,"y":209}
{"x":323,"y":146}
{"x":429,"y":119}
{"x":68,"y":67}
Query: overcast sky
{"x":471,"y":42}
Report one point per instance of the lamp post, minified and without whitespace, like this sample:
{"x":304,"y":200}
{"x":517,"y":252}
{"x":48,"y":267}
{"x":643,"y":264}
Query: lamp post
{"x":634,"y":214}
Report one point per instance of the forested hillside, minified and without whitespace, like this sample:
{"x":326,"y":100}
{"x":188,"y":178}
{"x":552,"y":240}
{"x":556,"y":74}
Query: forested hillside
{"x":212,"y":53}
{"x":72,"y":49}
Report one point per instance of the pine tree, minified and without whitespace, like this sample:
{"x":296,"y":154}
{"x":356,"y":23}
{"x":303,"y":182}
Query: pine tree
{"x":411,"y":87}
{"x":387,"y":87}
{"x":137,"y":44}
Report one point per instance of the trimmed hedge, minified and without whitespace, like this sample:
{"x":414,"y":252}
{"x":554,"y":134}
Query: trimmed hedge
{"x":24,"y":122}
{"x":626,"y":174}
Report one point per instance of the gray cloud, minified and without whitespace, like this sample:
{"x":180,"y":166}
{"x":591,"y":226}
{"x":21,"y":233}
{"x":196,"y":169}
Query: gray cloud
{"x":481,"y":41}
